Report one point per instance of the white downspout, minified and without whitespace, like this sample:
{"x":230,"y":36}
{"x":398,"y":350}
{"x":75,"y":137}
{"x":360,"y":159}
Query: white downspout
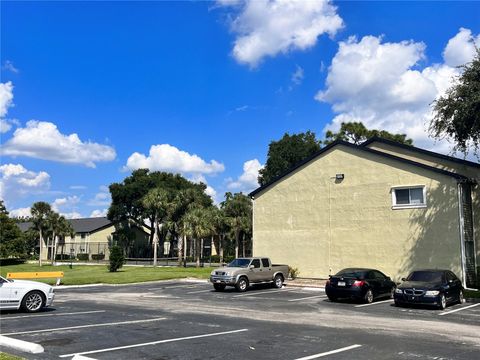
{"x":253,"y":222}
{"x":462,"y":234}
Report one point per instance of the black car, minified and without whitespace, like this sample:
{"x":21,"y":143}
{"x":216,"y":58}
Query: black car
{"x":359,"y":284}
{"x":430,"y":287}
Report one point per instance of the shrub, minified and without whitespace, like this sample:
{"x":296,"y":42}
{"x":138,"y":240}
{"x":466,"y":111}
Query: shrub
{"x":98,"y":256}
{"x":293,"y":272}
{"x":62,"y":257}
{"x":117,"y":259}
{"x":12,"y":261}
{"x":82,"y":257}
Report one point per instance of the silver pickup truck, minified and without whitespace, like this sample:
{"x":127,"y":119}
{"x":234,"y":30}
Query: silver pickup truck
{"x":242,"y":272}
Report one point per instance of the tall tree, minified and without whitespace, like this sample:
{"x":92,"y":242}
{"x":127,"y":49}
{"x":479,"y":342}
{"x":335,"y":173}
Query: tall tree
{"x":197,"y":226}
{"x":287,"y":152}
{"x":157,"y":201}
{"x":238,"y":212}
{"x":356,"y":133}
{"x":456,"y":115}
{"x":53,"y":227}
{"x":40,"y":211}
{"x":12,"y":242}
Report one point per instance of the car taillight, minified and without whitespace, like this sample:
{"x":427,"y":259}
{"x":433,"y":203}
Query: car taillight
{"x":328,"y":282}
{"x":358,"y":283}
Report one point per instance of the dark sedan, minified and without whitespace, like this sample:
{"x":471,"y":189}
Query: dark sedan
{"x":430,"y":287}
{"x":359,"y":284}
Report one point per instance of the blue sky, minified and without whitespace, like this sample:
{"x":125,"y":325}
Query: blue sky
{"x":201,"y":88}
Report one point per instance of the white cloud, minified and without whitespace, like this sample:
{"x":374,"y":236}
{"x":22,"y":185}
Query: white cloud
{"x":8,"y":65}
{"x":66,"y":206}
{"x":297,"y":76}
{"x":248,"y":181}
{"x":6,"y":97}
{"x":99,"y":213}
{"x":102,"y":198}
{"x":16,"y":181}
{"x":166,"y":157}
{"x":42,"y":140}
{"x":461,"y":48}
{"x":383,"y":86}
{"x":78,"y":187}
{"x":210,"y":191}
{"x":268,"y":27}
{"x":71,"y":215}
{"x":20,"y":212}
{"x":7,"y":124}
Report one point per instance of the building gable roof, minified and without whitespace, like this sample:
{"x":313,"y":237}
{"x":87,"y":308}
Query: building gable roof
{"x":420,"y":151}
{"x":360,"y":148}
{"x":85,"y":225}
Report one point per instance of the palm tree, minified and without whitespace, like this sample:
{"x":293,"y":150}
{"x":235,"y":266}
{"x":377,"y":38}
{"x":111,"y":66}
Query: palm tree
{"x":238,"y":211}
{"x":158,"y":201}
{"x":64,"y":229}
{"x":53,"y":227}
{"x":197,"y":226}
{"x":40,"y":211}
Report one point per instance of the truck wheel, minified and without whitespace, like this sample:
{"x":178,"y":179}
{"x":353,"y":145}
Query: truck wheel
{"x":219,"y":287}
{"x":278,"y":281}
{"x":33,"y":301}
{"x":242,"y":284}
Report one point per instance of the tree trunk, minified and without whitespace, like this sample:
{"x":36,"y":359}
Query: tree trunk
{"x":197,"y":246}
{"x":54,"y":242}
{"x":237,"y":240}
{"x":220,"y":247}
{"x":180,"y":250}
{"x":243,"y":244}
{"x":185,"y":246}
{"x":155,"y":245}
{"x":41,"y":246}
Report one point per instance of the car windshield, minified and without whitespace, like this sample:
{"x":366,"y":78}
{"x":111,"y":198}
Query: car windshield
{"x":352,"y":273}
{"x":427,"y":276}
{"x":239,"y":263}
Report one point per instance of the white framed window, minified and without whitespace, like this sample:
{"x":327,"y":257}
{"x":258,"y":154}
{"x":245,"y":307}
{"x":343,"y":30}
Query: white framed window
{"x":407,"y":197}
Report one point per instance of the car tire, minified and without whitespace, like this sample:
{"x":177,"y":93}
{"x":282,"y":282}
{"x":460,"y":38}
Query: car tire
{"x":219,"y":287}
{"x":461,"y":298}
{"x":397,"y":304}
{"x":278,"y":281}
{"x":33,"y":301}
{"x":443,"y":302}
{"x":242,"y":284}
{"x":368,"y":298}
{"x":332,"y":298}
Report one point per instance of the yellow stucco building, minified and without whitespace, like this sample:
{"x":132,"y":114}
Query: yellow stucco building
{"x":381,"y":204}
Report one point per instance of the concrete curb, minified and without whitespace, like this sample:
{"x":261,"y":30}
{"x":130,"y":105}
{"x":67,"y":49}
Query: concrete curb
{"x":21,"y":345}
{"x":59,"y":287}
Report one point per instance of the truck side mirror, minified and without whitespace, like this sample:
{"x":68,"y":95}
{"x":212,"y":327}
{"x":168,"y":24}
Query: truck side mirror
{"x":252,"y":266}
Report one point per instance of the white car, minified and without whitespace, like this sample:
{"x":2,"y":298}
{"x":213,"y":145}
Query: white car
{"x":30,"y":296}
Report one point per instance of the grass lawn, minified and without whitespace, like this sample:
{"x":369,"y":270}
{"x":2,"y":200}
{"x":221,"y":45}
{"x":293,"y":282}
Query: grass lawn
{"x":5,"y":356}
{"x":472,"y":294}
{"x":94,"y":274}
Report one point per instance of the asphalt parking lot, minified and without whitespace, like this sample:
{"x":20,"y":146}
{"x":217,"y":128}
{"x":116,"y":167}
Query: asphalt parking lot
{"x":188,"y":320}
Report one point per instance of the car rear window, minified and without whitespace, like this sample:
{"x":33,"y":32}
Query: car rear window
{"x":353,"y":273}
{"x":427,"y":276}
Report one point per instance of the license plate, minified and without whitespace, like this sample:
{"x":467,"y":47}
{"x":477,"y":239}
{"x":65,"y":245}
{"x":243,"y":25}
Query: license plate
{"x":341,"y":283}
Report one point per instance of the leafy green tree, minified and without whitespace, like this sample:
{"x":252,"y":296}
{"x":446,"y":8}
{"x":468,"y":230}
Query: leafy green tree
{"x":456,"y":115}
{"x":197,"y":226}
{"x":287,"y":152}
{"x":238,"y":212}
{"x":127,"y":196}
{"x":12,"y":241}
{"x":158,"y":201}
{"x":40,"y":212}
{"x":356,"y":133}
{"x":117,"y":259}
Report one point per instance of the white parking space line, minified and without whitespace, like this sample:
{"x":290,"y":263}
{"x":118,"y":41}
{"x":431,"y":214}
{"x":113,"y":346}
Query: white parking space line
{"x":155,"y":343}
{"x":199,"y":291}
{"x":256,"y":293}
{"x":375,"y":303}
{"x":173,"y":287}
{"x":309,"y":297}
{"x":463,"y":308}
{"x":61,"y":314}
{"x":316,"y":356}
{"x":85,"y":326}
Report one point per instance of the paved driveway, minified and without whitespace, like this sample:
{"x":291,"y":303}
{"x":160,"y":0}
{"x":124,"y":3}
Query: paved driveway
{"x":188,"y":320}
